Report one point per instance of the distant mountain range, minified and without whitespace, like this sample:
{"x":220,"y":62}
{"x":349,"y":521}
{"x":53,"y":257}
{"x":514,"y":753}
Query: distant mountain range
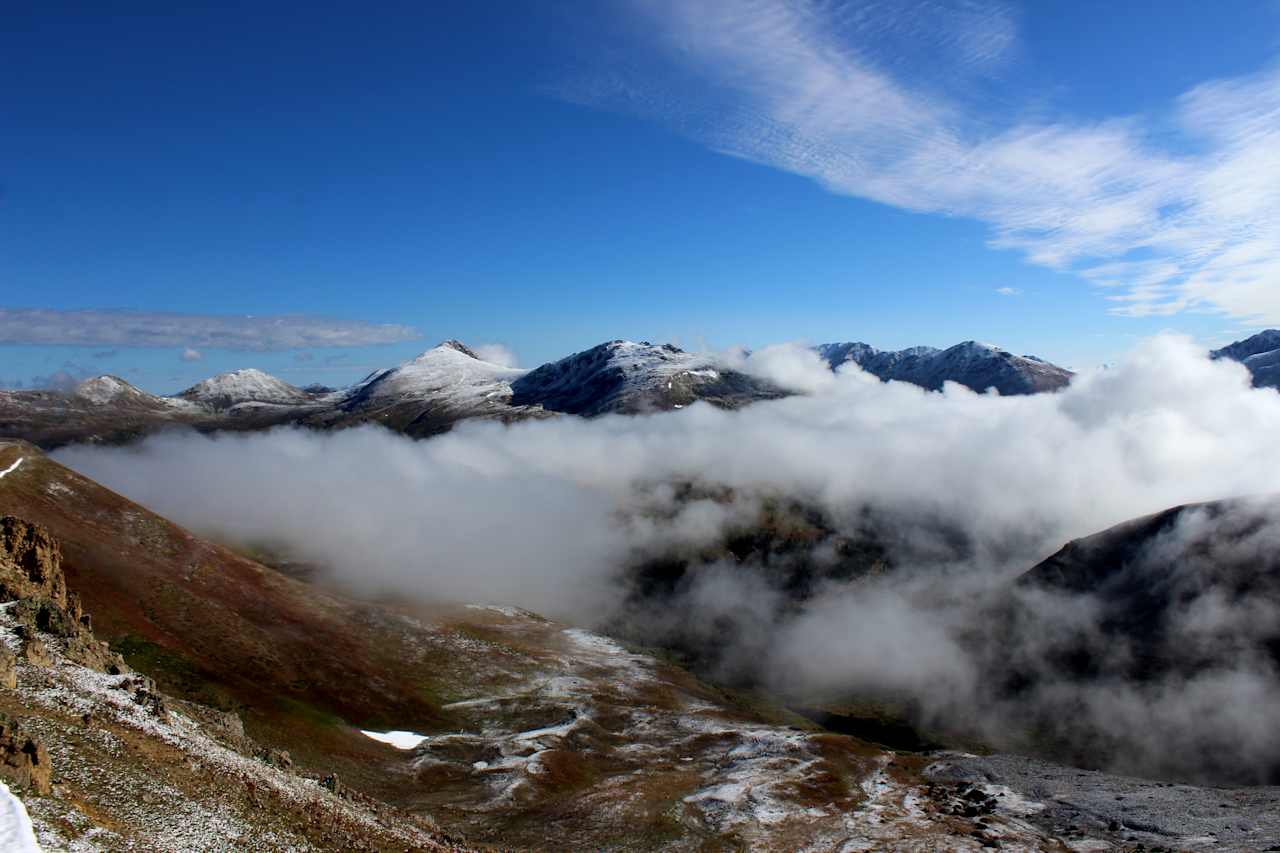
{"x":1260,"y":353}
{"x":975,"y":365}
{"x":450,"y":382}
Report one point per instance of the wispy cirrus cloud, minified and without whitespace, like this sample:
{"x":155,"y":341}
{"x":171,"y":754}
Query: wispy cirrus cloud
{"x":1183,"y":221}
{"x":261,"y":333}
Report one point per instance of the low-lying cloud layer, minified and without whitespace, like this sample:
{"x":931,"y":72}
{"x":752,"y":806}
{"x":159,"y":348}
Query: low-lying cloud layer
{"x":968,"y":491}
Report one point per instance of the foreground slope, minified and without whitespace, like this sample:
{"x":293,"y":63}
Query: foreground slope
{"x":534,"y":735}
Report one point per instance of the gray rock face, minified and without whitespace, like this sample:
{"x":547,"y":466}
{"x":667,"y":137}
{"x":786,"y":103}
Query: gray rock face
{"x":975,"y":365}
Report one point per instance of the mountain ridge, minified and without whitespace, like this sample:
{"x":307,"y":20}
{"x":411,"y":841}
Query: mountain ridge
{"x":977,"y":366}
{"x":449,"y":383}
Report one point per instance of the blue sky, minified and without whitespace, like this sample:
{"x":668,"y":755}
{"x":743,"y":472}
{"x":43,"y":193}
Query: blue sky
{"x":1058,"y":178}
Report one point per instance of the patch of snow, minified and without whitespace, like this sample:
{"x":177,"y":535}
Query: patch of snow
{"x":12,"y":468}
{"x":509,"y":612}
{"x":448,"y":373}
{"x":398,"y":739}
{"x":17,"y":835}
{"x":1012,"y":802}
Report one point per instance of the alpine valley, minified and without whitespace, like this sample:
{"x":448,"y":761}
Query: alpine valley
{"x":177,"y":684}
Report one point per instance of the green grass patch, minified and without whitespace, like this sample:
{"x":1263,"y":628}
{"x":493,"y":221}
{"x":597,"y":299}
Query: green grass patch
{"x":173,"y":673}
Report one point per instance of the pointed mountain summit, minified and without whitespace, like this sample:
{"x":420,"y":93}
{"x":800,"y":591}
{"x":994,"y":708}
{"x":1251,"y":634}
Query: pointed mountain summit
{"x":430,"y":393}
{"x":450,"y":369}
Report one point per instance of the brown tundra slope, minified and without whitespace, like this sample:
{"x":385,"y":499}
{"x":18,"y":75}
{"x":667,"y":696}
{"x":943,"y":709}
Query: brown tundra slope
{"x":535,"y":735}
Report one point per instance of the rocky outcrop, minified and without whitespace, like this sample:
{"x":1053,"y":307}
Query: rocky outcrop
{"x":30,"y":563}
{"x":31,"y":573}
{"x":24,"y":761}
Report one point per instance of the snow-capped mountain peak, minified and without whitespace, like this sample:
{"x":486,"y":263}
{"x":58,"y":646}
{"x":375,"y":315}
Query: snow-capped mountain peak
{"x":247,"y":385}
{"x":450,"y":371}
{"x":630,"y":376}
{"x":106,"y":389}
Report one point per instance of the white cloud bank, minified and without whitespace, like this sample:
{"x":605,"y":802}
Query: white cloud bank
{"x":1187,"y":222}
{"x":548,"y":515}
{"x":260,"y":333}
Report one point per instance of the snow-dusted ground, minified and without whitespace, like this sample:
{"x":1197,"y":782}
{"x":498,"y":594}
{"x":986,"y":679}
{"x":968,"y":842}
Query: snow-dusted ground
{"x":17,"y":835}
{"x":659,"y":743}
{"x":118,"y":769}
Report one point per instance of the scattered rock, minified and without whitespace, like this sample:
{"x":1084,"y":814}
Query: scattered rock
{"x":333,"y":784}
{"x":36,"y":653}
{"x":281,"y":759}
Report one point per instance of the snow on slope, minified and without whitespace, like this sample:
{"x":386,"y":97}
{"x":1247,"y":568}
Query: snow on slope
{"x":106,"y":389}
{"x":450,"y":373}
{"x":245,"y":386}
{"x":17,"y":835}
{"x":1260,"y":353}
{"x":976,"y":365}
{"x":625,"y":376}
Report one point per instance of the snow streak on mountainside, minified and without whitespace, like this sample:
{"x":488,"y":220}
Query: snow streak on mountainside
{"x":628,"y":377}
{"x":1260,"y":353}
{"x":975,"y":365}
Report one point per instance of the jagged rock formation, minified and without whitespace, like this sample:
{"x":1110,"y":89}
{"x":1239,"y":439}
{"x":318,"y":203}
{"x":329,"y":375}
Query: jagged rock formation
{"x":31,"y":577}
{"x":30,"y":563}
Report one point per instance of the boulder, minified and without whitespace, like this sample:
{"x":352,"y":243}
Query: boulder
{"x":24,"y":761}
